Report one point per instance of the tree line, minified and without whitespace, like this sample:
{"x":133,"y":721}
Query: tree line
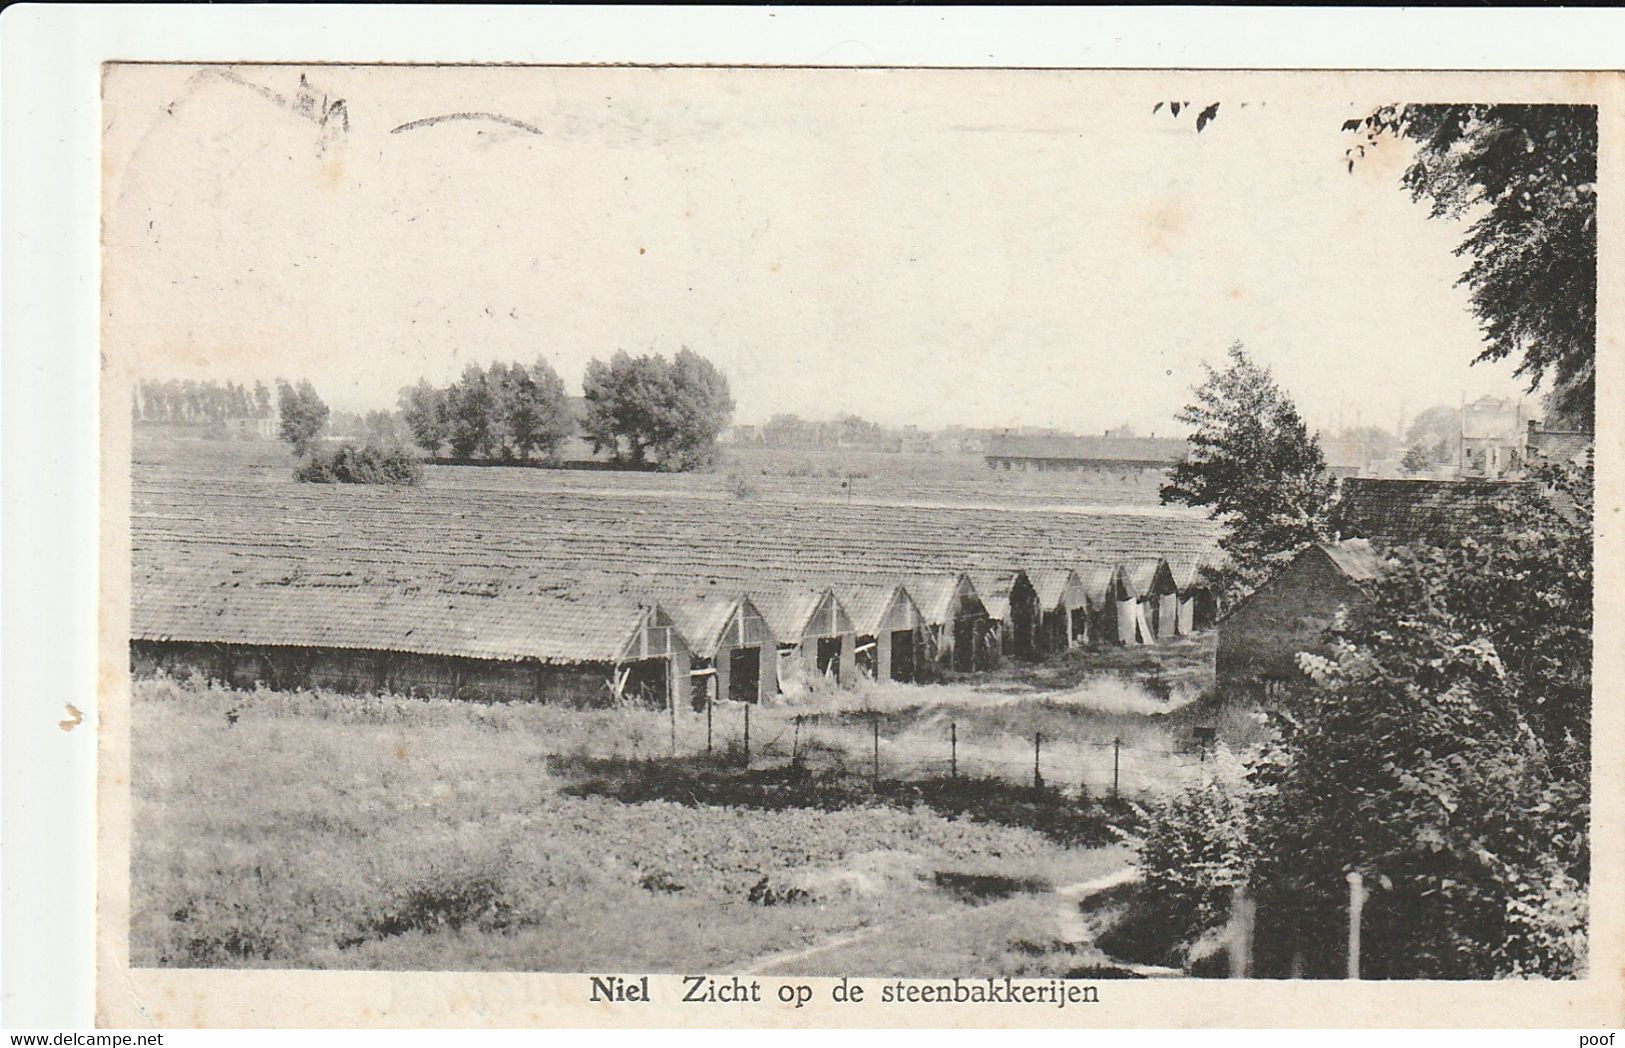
{"x":646,"y":411}
{"x":189,"y":402}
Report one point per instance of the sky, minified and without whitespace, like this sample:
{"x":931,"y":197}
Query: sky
{"x":987,"y":248}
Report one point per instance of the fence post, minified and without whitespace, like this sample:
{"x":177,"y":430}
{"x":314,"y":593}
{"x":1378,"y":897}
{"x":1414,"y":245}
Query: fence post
{"x":876,"y":773}
{"x":1241,"y":934}
{"x":953,"y":750}
{"x":795,"y":744}
{"x":674,"y":726}
{"x":747,"y":735}
{"x":1356,"y":904}
{"x":1117,"y":747}
{"x":708,"y":722}
{"x":1038,"y":776}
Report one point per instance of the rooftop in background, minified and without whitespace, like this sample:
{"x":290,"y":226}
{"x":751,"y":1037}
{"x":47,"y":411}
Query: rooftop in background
{"x":1148,"y":451}
{"x":1395,"y":512}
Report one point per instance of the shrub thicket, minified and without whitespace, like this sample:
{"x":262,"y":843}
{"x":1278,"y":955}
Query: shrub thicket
{"x":361,"y":464}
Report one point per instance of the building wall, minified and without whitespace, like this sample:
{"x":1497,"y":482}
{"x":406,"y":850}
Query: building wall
{"x":368,"y":672}
{"x":1260,"y":640}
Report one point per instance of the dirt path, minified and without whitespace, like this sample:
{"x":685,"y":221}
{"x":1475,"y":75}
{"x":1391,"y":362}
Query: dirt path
{"x":1071,"y":926}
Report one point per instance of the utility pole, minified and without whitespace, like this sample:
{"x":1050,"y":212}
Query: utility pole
{"x":1117,"y":748}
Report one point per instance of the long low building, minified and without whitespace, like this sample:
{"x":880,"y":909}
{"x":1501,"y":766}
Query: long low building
{"x":424,"y":641}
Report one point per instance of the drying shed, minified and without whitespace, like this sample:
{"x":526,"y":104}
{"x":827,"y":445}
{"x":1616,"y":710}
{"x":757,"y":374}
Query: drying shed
{"x":816,"y":646}
{"x":957,"y":622}
{"x":1012,"y":603}
{"x":1261,"y":637}
{"x":889,"y":630}
{"x":733,"y":649}
{"x":427,"y":640}
{"x":1131,"y":600}
{"x":1197,"y":604}
{"x":1063,"y":605}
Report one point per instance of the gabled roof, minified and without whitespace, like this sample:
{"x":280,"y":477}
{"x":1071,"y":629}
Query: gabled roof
{"x":995,"y":588}
{"x":701,"y":616}
{"x":867,"y":605}
{"x":425,"y":620}
{"x":793,"y":613}
{"x":1097,"y":582}
{"x":1142,"y":577}
{"x":1354,"y":558}
{"x":1053,"y":585}
{"x":935,"y":594}
{"x":1396,"y":512}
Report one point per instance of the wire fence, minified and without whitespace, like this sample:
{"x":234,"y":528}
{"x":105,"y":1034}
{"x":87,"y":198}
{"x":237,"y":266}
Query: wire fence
{"x":871,"y":744}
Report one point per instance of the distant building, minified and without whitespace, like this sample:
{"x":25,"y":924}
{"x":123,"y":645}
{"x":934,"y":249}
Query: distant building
{"x":1493,"y":441}
{"x":1071,"y":454}
{"x":1396,"y":512}
{"x":263,"y":428}
{"x":1558,"y":446}
{"x":1261,"y":637}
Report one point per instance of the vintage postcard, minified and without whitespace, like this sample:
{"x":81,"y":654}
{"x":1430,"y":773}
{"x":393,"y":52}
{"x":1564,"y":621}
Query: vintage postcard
{"x":695,"y":546}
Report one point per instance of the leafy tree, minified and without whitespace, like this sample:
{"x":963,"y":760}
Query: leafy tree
{"x":647,"y":409}
{"x":1436,"y":430}
{"x":1445,"y":752}
{"x":470,"y":412}
{"x":423,"y":409}
{"x":1256,"y":468}
{"x":532,"y":411}
{"x":262,"y":400}
{"x":1527,"y":174}
{"x":303,"y":414}
{"x":1416,"y":460}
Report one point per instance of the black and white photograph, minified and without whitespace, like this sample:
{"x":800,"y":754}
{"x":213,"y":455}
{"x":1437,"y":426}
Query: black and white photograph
{"x":955,"y":529}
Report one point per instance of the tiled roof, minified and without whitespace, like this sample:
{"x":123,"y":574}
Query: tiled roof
{"x":934,"y":594}
{"x":428,"y":620}
{"x":1052,"y":584}
{"x":867,"y":605}
{"x":1089,"y":449}
{"x":1097,"y":582}
{"x":994,"y":588}
{"x":789,"y":611}
{"x":701,"y":616}
{"x":1404,"y":512}
{"x":1354,"y":558}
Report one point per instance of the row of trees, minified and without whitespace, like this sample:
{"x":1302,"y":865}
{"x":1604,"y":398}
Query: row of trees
{"x":646,"y":411}
{"x":188,"y":402}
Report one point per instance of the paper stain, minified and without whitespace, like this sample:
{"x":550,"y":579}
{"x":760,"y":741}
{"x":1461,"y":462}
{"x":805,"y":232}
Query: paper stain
{"x":75,"y":718}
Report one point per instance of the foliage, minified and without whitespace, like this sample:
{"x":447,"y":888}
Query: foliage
{"x":189,"y":402}
{"x":1526,"y":176}
{"x":507,"y":412}
{"x":369,"y":463}
{"x":1416,"y":460}
{"x":1195,"y":852}
{"x":647,"y":409}
{"x":303,"y":414}
{"x":423,"y":409}
{"x":1445,"y":752}
{"x":1435,"y":430}
{"x":1254,"y":465}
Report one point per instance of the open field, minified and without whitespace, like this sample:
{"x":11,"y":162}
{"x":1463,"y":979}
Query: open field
{"x":233,"y":512}
{"x":389,"y":833}
{"x":813,"y":476}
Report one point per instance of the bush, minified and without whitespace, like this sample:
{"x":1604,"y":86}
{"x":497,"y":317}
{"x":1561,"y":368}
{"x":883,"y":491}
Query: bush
{"x":1195,"y":853}
{"x":742,"y":486}
{"x":364,"y":464}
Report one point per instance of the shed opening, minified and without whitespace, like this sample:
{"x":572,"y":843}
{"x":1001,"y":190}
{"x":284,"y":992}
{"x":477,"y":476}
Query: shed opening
{"x":744,"y":674}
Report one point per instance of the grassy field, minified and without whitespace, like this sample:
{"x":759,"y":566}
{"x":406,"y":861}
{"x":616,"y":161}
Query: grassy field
{"x":323,"y":831}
